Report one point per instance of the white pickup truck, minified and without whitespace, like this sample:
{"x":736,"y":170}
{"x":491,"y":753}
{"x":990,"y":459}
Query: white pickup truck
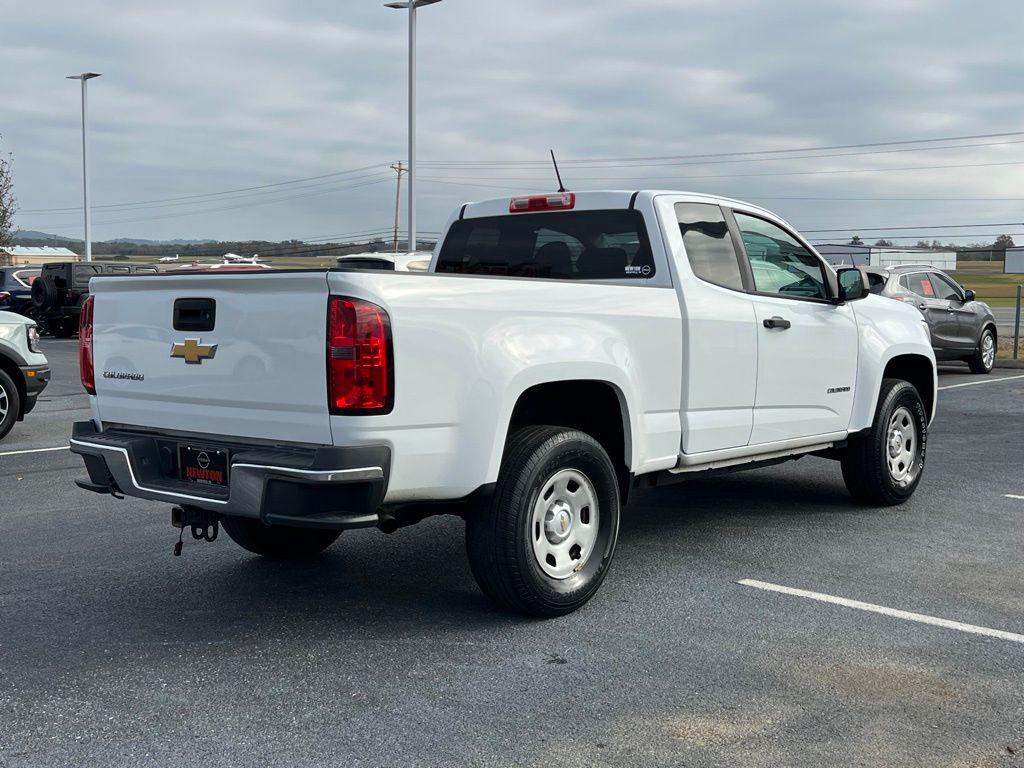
{"x":561,"y":350}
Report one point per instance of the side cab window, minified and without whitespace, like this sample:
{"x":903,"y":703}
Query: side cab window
{"x":780,"y":264}
{"x":709,"y":246}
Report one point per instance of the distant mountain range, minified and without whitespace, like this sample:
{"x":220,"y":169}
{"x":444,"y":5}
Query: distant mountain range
{"x":31,"y":234}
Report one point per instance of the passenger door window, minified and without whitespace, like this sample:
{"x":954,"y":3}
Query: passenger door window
{"x":944,"y":289}
{"x":709,"y":246}
{"x":780,"y":264}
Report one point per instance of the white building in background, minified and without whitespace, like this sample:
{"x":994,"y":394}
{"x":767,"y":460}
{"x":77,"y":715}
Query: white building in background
{"x":1014,"y":264}
{"x":873,"y":256}
{"x":19,"y":255}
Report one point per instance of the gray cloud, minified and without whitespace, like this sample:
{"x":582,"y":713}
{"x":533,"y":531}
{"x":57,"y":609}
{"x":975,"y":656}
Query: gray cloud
{"x":199,"y":97}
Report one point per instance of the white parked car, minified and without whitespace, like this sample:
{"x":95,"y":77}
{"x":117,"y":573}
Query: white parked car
{"x":562,"y":350}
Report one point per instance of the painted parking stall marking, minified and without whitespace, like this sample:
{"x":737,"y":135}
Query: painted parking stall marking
{"x":985,"y":381}
{"x":921,"y":618}
{"x":1013,"y":496}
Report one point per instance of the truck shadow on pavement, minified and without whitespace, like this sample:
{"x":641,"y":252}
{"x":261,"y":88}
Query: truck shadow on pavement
{"x":421,"y":574}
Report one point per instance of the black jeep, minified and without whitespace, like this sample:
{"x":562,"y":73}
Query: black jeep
{"x":63,"y":286}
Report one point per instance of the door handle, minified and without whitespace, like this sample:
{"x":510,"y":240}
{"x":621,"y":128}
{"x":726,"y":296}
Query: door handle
{"x":777,"y":322}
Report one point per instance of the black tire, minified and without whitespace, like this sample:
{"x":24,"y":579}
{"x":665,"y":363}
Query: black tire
{"x":45,"y":293}
{"x":866,"y":460}
{"x":499,"y":535}
{"x":10,"y":404}
{"x":977,"y":362}
{"x":277,"y":542}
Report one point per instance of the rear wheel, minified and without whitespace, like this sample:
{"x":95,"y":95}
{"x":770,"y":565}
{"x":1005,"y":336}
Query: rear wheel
{"x":277,"y":541}
{"x":544,"y":542}
{"x":984,"y":359}
{"x":10,"y":404}
{"x":882,"y":466}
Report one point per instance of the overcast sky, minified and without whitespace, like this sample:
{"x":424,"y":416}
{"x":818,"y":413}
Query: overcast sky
{"x":206,"y":97}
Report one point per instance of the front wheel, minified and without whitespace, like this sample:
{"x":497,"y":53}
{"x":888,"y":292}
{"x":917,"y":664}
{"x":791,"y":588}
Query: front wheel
{"x":984,"y":359}
{"x":544,"y":542}
{"x":882,"y":466}
{"x":10,"y":404}
{"x":277,"y":542}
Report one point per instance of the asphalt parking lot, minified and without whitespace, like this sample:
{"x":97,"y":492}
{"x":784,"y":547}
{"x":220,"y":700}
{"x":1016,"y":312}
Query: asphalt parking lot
{"x":383,"y":651}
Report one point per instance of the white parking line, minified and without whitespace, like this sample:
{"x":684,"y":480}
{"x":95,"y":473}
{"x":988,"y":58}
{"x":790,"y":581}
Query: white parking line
{"x":984,"y":381}
{"x":897,"y":614}
{"x":35,"y":450}
{"x":1013,"y":496}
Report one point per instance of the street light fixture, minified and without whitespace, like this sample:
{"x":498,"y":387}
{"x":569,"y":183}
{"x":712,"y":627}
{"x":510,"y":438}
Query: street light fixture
{"x":85,"y":77}
{"x":411,"y":174}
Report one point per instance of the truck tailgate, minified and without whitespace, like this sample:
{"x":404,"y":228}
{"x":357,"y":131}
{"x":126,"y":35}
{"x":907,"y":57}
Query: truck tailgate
{"x":259,"y":372}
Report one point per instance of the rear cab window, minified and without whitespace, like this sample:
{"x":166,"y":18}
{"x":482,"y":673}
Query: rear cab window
{"x":563,"y":245}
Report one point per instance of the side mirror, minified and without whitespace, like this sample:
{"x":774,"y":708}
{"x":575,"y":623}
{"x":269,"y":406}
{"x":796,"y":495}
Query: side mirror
{"x":968,"y":295}
{"x":852,"y":284}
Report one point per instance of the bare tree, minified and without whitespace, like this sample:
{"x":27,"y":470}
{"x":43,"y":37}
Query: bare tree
{"x":8,"y":203}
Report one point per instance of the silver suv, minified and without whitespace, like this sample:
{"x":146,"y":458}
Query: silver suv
{"x":962,"y":328}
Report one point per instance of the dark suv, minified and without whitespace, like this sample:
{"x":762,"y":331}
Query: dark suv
{"x":61,"y":289}
{"x":16,"y":288}
{"x":962,"y":328}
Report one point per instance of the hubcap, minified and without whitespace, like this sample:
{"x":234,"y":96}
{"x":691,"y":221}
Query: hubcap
{"x":901,"y":447}
{"x":563,"y":529}
{"x":988,"y":350}
{"x":5,"y":403}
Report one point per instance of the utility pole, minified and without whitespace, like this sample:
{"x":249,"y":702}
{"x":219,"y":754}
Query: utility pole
{"x":399,"y":169}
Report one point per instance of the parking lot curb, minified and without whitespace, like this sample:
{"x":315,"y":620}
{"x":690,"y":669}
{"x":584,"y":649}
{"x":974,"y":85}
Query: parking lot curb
{"x":1009,"y":364}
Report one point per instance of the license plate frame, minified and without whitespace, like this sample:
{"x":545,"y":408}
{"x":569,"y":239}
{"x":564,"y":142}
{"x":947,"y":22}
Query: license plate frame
{"x":191,"y":461}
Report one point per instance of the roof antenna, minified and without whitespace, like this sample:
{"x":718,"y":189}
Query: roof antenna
{"x":561,"y":186}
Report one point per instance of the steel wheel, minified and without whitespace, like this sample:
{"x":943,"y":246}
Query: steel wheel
{"x":901,"y":447}
{"x":565,"y":523}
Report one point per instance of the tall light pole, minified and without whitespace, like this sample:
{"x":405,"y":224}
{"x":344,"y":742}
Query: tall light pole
{"x":85,"y":77}
{"x":412,"y":5}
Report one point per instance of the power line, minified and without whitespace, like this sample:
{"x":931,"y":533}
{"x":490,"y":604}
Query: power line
{"x":600,"y":164}
{"x":183,"y":214}
{"x":543,"y":163}
{"x":454,"y":179}
{"x":923,"y":228}
{"x":212,"y":194}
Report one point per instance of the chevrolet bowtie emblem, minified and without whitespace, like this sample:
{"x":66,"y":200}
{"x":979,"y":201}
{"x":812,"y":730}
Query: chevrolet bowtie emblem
{"x":193,"y":352}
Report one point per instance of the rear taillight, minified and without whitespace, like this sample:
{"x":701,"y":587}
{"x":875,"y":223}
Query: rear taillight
{"x":85,"y":347}
{"x":360,"y":379}
{"x":558,"y":201}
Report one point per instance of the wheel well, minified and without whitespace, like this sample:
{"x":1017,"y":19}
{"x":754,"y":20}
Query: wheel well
{"x":9,"y":367}
{"x":995,"y":331}
{"x":917,"y":370}
{"x":593,"y":407}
